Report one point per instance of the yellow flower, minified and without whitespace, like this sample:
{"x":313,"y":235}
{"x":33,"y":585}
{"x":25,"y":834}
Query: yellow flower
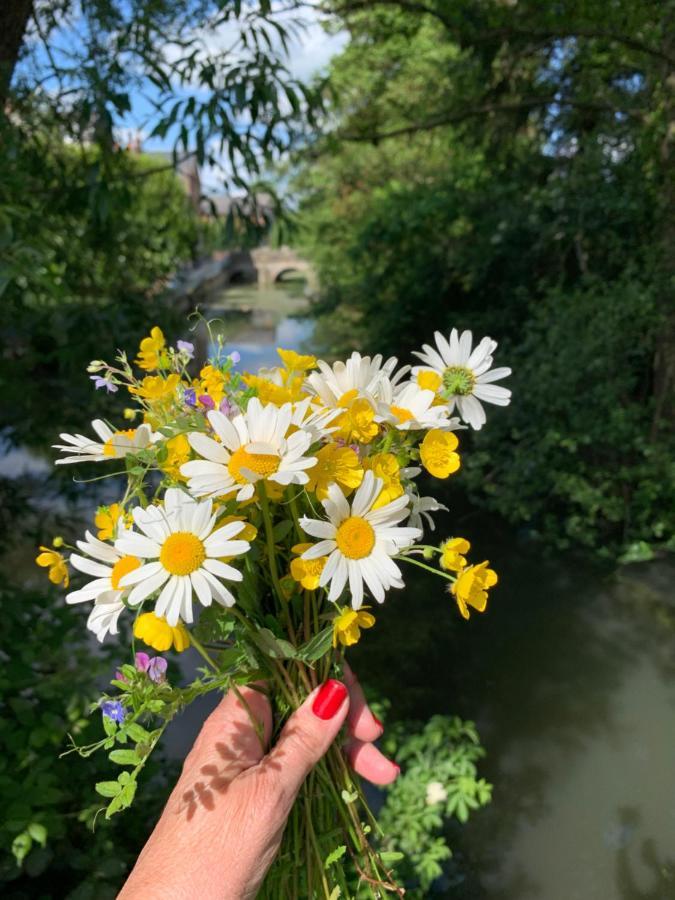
{"x":307,"y":571}
{"x":106,"y":520}
{"x":385,"y":466}
{"x":150,"y":352}
{"x":281,"y":388}
{"x":212,"y":383}
{"x":357,"y":423}
{"x":437,"y":453}
{"x":58,"y":570}
{"x":472,"y":586}
{"x":429,"y":381}
{"x":296,"y":362}
{"x":334,"y":464}
{"x":347,"y":626}
{"x":451,"y":554}
{"x":154,"y":387}
{"x":158,"y":634}
{"x":178,"y":449}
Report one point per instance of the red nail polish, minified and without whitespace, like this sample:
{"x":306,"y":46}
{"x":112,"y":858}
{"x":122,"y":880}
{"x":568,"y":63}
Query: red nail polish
{"x":329,"y":699}
{"x":377,"y":722}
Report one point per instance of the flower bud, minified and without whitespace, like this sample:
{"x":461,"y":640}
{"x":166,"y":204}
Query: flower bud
{"x":57,"y":542}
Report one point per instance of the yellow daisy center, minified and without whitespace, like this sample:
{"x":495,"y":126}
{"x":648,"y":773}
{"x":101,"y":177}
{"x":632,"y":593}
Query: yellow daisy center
{"x":355,"y":538}
{"x":111,"y":446}
{"x":182,"y":553}
{"x":261,"y":463}
{"x":121,"y":568}
{"x":403,"y":415}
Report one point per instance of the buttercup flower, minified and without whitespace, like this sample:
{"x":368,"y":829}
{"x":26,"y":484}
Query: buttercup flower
{"x":348,"y":624}
{"x":296,"y":362}
{"x":254,"y":447}
{"x":150,"y":352}
{"x":472,"y":586}
{"x":107,"y":519}
{"x":178,"y":452}
{"x":360,"y":541}
{"x":306,"y":571}
{"x":156,"y":632}
{"x":452,"y":554}
{"x":465,"y":375}
{"x":183,"y":553}
{"x":107,"y":565}
{"x":155,"y":388}
{"x":334,"y":465}
{"x":437,"y":453}
{"x":112,"y":444}
{"x":386,"y":468}
{"x":54,"y":561}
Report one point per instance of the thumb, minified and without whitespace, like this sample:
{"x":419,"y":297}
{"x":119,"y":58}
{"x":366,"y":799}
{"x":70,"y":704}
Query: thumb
{"x":307,"y":735}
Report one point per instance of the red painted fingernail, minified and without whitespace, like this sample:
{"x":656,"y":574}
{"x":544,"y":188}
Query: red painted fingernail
{"x":329,"y":699}
{"x":377,"y":722}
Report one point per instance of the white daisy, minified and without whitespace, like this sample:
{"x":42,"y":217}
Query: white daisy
{"x":314,"y":419}
{"x":359,"y":541}
{"x":254,"y":446}
{"x":410,"y":408}
{"x":112,"y":444}
{"x":465,"y":375}
{"x":361,"y":374}
{"x":184,"y":556}
{"x":420,"y":507}
{"x":108,"y":566}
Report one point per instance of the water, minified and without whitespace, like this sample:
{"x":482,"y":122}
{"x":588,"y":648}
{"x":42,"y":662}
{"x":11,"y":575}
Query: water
{"x":569,"y":676}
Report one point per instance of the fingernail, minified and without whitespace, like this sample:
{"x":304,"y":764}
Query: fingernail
{"x":377,"y":722}
{"x":397,"y":767}
{"x":329,"y":699}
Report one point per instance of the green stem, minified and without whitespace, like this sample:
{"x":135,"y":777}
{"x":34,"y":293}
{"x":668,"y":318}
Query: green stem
{"x":199,"y":647}
{"x":269,"y":537}
{"x":416,"y":562}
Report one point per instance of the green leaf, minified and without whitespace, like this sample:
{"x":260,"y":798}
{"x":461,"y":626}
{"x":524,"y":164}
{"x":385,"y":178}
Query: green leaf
{"x":108,"y":788}
{"x":38,"y":833}
{"x":137,"y":733}
{"x":281,"y":529}
{"x":125,"y":757}
{"x":21,"y":846}
{"x":335,"y":855}
{"x":391,"y":857}
{"x":317,"y":646}
{"x":277,"y":648}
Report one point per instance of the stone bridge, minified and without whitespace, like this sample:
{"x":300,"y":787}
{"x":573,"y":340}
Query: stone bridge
{"x":264,"y":266}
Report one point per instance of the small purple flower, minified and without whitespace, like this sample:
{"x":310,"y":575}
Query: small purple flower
{"x":190,"y":397}
{"x":113,"y":710}
{"x":157,"y":669}
{"x":142,"y":661}
{"x":100,"y":382}
{"x":186,"y":348}
{"x":206,"y":401}
{"x":235,"y":357}
{"x":226,"y":407}
{"x":120,"y":676}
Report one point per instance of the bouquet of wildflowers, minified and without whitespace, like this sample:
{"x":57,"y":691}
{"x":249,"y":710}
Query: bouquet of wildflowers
{"x":262,"y":518}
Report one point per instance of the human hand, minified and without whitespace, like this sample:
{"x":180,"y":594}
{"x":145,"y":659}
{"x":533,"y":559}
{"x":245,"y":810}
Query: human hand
{"x":222,"y":825}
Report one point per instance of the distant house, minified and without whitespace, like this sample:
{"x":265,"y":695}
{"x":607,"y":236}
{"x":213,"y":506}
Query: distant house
{"x":186,"y":169}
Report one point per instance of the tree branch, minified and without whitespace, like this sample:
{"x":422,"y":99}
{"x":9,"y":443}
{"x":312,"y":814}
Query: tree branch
{"x":484,"y":109}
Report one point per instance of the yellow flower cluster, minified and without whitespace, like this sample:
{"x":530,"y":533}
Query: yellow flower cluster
{"x":150,"y":355}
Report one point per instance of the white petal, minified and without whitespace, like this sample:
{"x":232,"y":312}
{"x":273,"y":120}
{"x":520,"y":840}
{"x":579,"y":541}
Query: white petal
{"x":323,"y":548}
{"x":149,"y":570}
{"x":317,"y":527}
{"x":135,"y":544}
{"x":89,"y":567}
{"x":222,"y":570}
{"x":147,"y":587}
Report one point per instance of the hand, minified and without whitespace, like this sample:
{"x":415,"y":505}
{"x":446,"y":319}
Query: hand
{"x":222,"y":825}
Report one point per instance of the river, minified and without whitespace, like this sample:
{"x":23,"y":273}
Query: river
{"x":568,"y":675}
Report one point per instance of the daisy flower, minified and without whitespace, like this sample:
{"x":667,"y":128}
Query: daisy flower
{"x":367,"y":377}
{"x":420,"y":507}
{"x":107,"y":566}
{"x":184,"y":556}
{"x":359,"y":541}
{"x":254,"y":446}
{"x":111,"y":444}
{"x":462,"y":376}
{"x":410,"y":408}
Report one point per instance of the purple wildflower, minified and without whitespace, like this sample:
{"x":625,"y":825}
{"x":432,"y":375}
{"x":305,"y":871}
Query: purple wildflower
{"x":113,"y":710}
{"x":142,"y":661}
{"x":226,"y":407}
{"x":157,"y":669}
{"x":186,"y":348}
{"x":100,"y":382}
{"x":190,"y":397}
{"x":206,"y":401}
{"x":120,"y":676}
{"x":235,"y":357}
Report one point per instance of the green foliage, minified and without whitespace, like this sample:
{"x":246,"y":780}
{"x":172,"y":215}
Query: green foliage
{"x":498,"y":167}
{"x":47,"y":684}
{"x":444,"y":754}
